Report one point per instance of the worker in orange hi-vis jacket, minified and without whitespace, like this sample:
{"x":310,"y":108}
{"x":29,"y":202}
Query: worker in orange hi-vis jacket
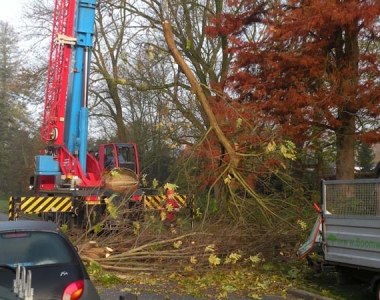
{"x":169,"y":210}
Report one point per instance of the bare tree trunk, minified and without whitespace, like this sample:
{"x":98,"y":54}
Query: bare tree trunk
{"x":346,"y":135}
{"x":345,"y":148}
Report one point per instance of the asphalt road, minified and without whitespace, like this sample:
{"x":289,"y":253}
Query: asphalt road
{"x":3,"y":217}
{"x":114,"y":294}
{"x":117,"y":294}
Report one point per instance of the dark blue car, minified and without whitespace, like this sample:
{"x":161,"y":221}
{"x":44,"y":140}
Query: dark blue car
{"x":38,"y":261}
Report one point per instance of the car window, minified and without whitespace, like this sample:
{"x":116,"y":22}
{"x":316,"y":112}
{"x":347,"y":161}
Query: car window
{"x":34,"y":248}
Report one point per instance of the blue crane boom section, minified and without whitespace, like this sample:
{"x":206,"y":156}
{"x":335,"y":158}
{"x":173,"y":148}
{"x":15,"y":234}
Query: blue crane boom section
{"x":76,"y":118}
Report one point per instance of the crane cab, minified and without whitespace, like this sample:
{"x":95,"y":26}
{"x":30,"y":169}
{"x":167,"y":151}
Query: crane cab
{"x":118,"y":155}
{"x":59,"y":169}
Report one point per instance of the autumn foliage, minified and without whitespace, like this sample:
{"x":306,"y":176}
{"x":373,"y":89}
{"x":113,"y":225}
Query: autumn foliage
{"x":301,"y":70}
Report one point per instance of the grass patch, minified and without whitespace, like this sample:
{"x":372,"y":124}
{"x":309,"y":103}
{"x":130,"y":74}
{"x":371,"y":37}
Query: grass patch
{"x":4,"y":205}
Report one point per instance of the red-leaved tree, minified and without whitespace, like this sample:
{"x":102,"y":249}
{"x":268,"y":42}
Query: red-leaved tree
{"x":305,"y":68}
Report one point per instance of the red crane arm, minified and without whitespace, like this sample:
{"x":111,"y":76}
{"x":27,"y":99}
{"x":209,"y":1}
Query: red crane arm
{"x":58,"y":71}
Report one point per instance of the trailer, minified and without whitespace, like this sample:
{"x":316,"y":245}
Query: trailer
{"x":347,"y":231}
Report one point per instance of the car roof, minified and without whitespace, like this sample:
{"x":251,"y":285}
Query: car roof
{"x":30,"y":225}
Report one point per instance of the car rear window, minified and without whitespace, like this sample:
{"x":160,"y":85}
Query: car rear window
{"x":33,"y":248}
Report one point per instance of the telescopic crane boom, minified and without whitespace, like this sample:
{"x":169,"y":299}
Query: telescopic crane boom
{"x":68,"y":177}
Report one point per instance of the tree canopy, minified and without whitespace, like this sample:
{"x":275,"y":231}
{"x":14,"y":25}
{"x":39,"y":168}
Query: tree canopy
{"x":16,"y":134}
{"x":312,"y":69}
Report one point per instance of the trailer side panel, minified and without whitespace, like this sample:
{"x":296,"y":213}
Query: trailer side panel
{"x":352,"y":240}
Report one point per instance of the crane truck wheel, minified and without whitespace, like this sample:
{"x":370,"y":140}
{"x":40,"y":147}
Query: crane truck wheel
{"x":123,"y":181}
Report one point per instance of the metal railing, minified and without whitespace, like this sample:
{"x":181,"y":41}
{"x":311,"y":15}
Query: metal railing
{"x":359,"y":197}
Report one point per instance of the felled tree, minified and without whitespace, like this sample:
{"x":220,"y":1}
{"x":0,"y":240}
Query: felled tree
{"x":235,"y":153}
{"x":313,"y":69}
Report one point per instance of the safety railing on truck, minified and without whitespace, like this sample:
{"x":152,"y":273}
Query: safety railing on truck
{"x":359,"y":197}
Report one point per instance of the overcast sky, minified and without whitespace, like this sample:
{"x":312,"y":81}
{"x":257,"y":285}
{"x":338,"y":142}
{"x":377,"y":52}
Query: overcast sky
{"x":11,"y":11}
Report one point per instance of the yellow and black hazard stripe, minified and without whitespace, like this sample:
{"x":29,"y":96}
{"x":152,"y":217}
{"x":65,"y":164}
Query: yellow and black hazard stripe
{"x":13,"y":208}
{"x":155,"y":202}
{"x":34,"y":205}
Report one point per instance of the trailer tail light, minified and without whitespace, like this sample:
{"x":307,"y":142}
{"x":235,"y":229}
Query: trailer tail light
{"x":73,"y":291}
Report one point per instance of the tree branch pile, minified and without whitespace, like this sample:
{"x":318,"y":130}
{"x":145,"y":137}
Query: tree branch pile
{"x":196,"y":250}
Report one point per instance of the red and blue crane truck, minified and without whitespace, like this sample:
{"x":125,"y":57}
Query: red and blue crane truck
{"x":68,"y":179}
